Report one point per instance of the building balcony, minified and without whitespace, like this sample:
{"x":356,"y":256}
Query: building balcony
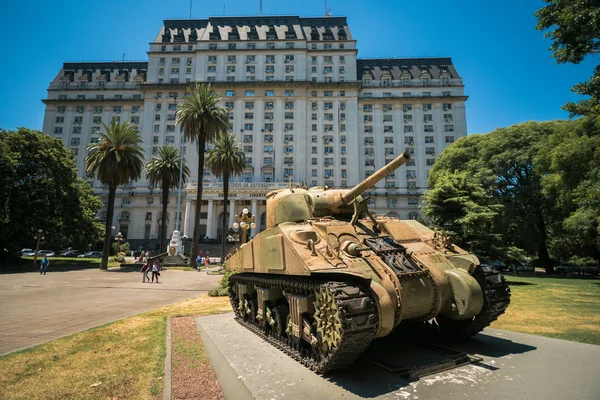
{"x":267,"y":186}
{"x":96,"y":86}
{"x":398,"y":84}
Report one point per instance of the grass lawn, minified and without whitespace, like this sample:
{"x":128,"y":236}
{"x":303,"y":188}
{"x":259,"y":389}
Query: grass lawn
{"x":556,"y":307}
{"x":61,"y":264}
{"x":123,"y":360}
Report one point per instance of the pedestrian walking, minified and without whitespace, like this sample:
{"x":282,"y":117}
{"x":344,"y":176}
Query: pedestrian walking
{"x":144,"y":270}
{"x":198,"y":261}
{"x":44,"y":265}
{"x":155,"y":273}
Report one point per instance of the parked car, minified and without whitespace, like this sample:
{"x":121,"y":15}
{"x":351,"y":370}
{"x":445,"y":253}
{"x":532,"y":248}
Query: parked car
{"x":91,"y":254}
{"x":572,"y":268}
{"x":23,"y":251}
{"x":497,"y":265}
{"x":48,"y":253}
{"x":70,"y":253}
{"x":521,"y":267}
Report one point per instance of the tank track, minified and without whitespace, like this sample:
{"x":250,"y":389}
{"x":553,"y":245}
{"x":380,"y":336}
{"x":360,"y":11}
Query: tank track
{"x":358,"y":312}
{"x":496,"y":298}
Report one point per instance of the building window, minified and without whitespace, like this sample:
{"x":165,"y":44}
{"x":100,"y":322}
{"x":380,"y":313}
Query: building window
{"x":449,"y":139}
{"x":230,"y":93}
{"x":289,"y":93}
{"x":269,"y":93}
{"x":249,"y":93}
{"x":448,"y":128}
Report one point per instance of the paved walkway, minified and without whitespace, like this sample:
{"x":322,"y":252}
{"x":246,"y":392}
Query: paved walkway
{"x":37,"y":308}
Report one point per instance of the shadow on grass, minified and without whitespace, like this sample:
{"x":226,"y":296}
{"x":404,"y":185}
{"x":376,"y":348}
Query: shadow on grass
{"x":544,"y":275}
{"x":519,"y":283}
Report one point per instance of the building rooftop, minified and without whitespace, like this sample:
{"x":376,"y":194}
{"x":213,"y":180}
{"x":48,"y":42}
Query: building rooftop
{"x":254,"y":28}
{"x":398,"y":68}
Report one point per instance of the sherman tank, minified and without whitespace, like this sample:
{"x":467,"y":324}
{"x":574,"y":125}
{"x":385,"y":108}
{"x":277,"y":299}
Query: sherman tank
{"x":327,"y":277}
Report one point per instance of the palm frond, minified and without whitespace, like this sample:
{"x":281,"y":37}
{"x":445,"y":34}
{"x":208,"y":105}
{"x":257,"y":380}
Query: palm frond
{"x":165,"y":168}
{"x":226,"y":157}
{"x":200,"y":115}
{"x":118,"y":157}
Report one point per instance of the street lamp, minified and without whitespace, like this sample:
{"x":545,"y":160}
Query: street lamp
{"x":184,"y":240}
{"x":246,"y":220}
{"x":119,"y":239}
{"x":39,"y":238}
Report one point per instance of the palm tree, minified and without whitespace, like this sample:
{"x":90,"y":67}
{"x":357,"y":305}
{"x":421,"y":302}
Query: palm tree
{"x":226,"y":159}
{"x":164,"y":171}
{"x":115,"y":160}
{"x":202,"y":120}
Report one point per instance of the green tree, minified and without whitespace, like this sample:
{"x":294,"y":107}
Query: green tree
{"x":488,"y":185}
{"x":571,"y":163}
{"x":41,"y":190}
{"x":164,"y":171}
{"x":202,"y":120}
{"x":574,"y":28}
{"x":226,"y":159}
{"x":459,"y":204}
{"x":115,"y":160}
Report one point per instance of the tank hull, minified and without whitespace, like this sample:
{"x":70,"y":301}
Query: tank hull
{"x":340,"y":285}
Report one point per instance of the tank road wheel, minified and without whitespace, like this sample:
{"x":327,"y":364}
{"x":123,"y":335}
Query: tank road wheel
{"x":346,"y":325}
{"x":250,"y":309}
{"x":496,"y":297}
{"x":277,"y":318}
{"x":328,"y":322}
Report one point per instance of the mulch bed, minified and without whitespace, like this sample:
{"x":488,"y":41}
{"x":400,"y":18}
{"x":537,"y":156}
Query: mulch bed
{"x":192,"y":374}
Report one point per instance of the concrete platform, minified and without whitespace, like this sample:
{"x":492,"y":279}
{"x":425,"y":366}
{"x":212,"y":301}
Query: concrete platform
{"x":514,"y":366}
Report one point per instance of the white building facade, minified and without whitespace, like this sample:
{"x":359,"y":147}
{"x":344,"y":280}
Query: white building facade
{"x":304,"y":107}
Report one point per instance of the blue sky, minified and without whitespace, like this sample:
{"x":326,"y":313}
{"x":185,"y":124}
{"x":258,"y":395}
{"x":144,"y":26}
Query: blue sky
{"x":504,"y":62}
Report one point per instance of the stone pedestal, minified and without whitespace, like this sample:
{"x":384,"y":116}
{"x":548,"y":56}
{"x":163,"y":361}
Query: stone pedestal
{"x":175,"y":245}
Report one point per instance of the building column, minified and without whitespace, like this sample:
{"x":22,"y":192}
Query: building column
{"x":257,"y":222}
{"x":231,"y":214}
{"x":186,"y":220}
{"x":209,"y":219}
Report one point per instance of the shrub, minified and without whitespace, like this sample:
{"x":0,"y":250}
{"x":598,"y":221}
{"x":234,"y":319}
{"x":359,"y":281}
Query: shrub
{"x":223,"y":288}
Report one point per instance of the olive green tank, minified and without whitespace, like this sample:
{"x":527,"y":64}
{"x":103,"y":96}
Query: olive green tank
{"x":327,"y":277}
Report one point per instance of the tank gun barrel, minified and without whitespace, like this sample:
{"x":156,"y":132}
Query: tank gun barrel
{"x":376,"y":177}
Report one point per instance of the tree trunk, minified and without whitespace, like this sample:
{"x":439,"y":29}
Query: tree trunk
{"x":163,"y":226}
{"x":542,"y":248}
{"x":225,"y":220}
{"x":201,"y":149}
{"x":110,"y":210}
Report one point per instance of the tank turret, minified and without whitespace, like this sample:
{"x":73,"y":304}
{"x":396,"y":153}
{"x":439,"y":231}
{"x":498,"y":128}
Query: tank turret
{"x":296,"y":205}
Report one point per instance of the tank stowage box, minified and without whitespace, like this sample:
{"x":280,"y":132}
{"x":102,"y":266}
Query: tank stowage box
{"x":327,"y":277}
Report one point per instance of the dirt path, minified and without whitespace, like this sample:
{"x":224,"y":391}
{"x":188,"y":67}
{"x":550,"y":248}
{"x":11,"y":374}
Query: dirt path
{"x":192,"y":374}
